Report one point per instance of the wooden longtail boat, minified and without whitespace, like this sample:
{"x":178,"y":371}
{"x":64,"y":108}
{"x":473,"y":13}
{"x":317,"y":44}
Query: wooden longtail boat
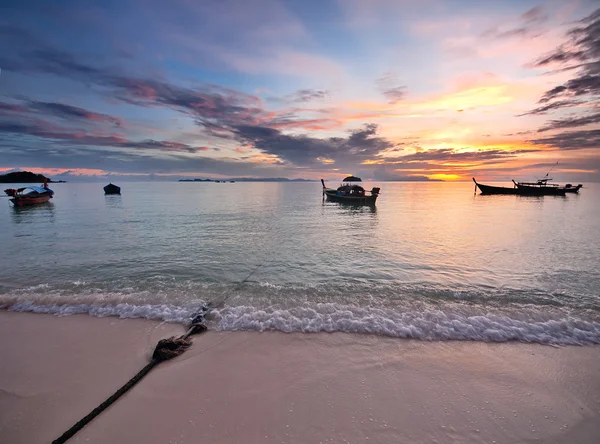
{"x":539,"y":188}
{"x":571,"y":189}
{"x":351,"y":193}
{"x":31,"y":196}
{"x":490,"y":189}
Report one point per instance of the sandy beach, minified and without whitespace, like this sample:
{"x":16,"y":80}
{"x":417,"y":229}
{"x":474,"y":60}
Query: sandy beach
{"x":288,"y":388}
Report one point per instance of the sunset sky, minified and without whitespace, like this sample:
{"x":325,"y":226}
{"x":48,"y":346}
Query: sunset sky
{"x":384,"y":89}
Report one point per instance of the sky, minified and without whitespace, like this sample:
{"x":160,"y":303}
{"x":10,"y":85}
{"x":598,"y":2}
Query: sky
{"x":383,"y":89}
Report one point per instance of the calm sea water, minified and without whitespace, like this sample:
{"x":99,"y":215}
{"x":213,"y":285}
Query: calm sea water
{"x":430,"y":261}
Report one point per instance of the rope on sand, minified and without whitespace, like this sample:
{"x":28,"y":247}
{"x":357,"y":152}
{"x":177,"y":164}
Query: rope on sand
{"x":165,"y":349}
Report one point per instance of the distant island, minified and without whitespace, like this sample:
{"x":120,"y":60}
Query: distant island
{"x":26,"y":177}
{"x":248,"y":179}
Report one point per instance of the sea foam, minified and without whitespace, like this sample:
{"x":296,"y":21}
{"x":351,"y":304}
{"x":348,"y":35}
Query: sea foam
{"x":429,"y":324}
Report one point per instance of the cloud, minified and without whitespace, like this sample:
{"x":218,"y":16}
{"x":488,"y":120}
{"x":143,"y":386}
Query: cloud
{"x":303,"y":150}
{"x":529,"y":27}
{"x":582,"y":48}
{"x":450,"y":154}
{"x":551,"y":107}
{"x":307,"y":95}
{"x":535,"y":14}
{"x":72,"y":112}
{"x":391,"y":90}
{"x":580,"y":86}
{"x":49,"y":131}
{"x":572,"y":140}
{"x":573,"y":122}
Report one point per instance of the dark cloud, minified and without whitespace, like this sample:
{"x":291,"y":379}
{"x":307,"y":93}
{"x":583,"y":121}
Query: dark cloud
{"x":580,"y":55}
{"x":552,"y":106}
{"x":72,"y":112}
{"x":450,"y":154}
{"x":573,"y":122}
{"x":580,"y":86}
{"x":221,"y":113}
{"x":582,"y":49}
{"x":303,"y":150}
{"x":572,"y":140}
{"x":52,"y":132}
{"x":208,"y":102}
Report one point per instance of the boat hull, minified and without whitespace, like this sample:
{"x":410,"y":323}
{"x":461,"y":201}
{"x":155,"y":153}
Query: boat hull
{"x":24,"y":201}
{"x":112,"y":189}
{"x":352,"y":200}
{"x":572,"y":189}
{"x":489,"y":189}
{"x":526,"y":190}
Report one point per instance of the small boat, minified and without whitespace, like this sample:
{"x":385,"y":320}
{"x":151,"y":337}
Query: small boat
{"x":31,"y":196}
{"x":112,"y":189}
{"x":10,"y":191}
{"x":571,"y":189}
{"x":539,"y":188}
{"x":491,"y":189}
{"x":351,"y":193}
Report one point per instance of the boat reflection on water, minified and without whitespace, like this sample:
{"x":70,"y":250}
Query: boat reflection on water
{"x":113,"y":200}
{"x":352,"y":208}
{"x":43,"y":213}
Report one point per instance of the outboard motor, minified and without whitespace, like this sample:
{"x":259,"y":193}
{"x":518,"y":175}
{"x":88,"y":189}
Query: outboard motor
{"x":375,"y":190}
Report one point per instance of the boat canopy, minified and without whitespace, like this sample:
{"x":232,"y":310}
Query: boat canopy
{"x":39,"y":190}
{"x":352,"y":179}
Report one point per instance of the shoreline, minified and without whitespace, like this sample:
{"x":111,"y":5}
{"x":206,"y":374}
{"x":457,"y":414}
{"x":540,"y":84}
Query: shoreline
{"x":275,"y":387}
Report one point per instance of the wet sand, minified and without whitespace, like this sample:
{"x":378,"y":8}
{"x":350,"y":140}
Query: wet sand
{"x":235,"y":387}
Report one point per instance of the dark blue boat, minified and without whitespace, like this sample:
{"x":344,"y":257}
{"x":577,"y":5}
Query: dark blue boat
{"x":112,"y":189}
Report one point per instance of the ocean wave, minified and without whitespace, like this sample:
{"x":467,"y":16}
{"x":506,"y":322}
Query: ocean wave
{"x":427,"y":324}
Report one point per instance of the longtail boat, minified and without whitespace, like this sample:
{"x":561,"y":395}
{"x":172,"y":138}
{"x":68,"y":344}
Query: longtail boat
{"x":539,"y":188}
{"x":31,"y":196}
{"x":350,"y":192}
{"x":571,"y":189}
{"x":490,"y":189}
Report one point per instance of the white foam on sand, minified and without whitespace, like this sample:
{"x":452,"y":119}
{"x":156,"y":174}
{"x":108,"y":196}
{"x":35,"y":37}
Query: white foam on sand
{"x":426,"y":324}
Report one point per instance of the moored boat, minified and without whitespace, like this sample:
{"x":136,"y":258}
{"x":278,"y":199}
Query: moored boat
{"x":350,"y":192}
{"x":112,"y":189}
{"x":491,"y":189}
{"x":571,"y":189}
{"x":31,"y":196}
{"x":539,"y":188}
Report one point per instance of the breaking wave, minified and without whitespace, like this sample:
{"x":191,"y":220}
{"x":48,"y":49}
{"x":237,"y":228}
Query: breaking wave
{"x":428,"y":324}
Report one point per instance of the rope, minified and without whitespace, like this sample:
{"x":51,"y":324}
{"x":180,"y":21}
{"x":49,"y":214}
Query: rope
{"x":165,"y":349}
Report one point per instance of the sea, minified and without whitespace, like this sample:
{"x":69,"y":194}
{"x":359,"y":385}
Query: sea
{"x":431,"y":261}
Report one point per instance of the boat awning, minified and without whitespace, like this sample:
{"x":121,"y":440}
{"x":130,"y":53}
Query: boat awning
{"x":39,"y":190}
